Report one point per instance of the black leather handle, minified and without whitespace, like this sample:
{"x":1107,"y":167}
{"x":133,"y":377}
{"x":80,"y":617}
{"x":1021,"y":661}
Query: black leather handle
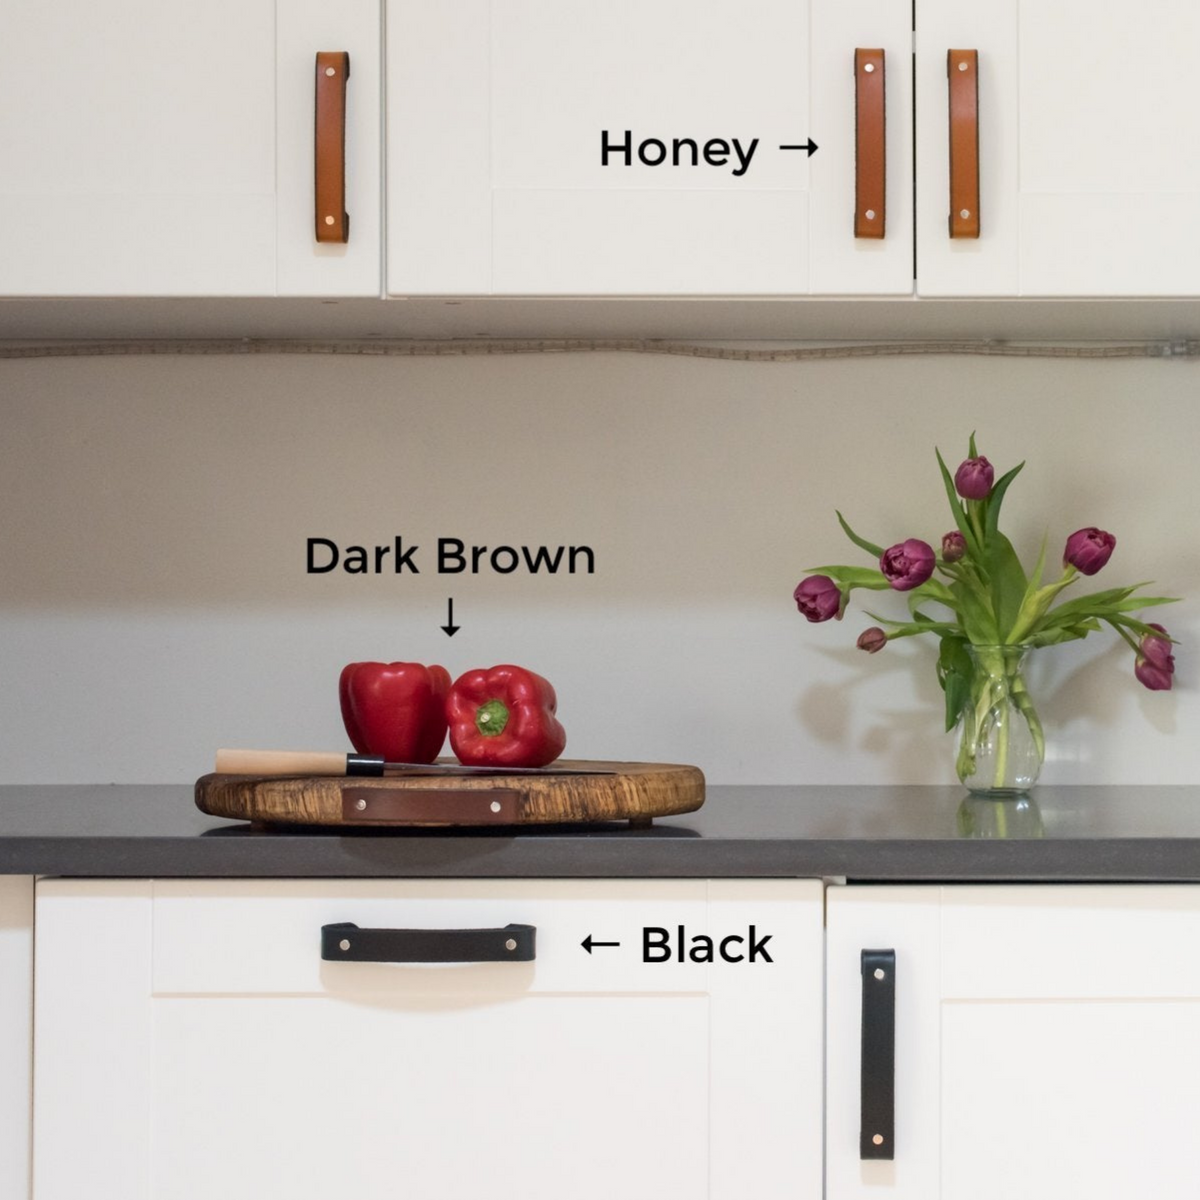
{"x":876,"y":1138}
{"x":346,"y":942}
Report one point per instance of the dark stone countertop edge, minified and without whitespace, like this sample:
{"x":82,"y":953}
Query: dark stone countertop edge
{"x":1151,"y":859}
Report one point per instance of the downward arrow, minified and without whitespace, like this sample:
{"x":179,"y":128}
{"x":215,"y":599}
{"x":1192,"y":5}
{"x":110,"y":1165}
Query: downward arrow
{"x":450,"y":628}
{"x":588,"y":943}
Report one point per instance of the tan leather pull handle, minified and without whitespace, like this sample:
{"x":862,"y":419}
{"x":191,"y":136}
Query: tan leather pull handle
{"x":333,"y":222}
{"x":963,"y":69}
{"x":870,"y":147}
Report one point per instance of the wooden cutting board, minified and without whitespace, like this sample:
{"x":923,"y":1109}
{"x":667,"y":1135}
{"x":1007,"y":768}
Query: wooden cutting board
{"x":633,"y":792}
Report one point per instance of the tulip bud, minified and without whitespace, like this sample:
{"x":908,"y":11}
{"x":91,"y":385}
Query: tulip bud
{"x":1155,"y":664}
{"x":1156,"y":678}
{"x":973,"y":479}
{"x":818,"y":597}
{"x":953,"y":546}
{"x":1088,"y":550}
{"x":872,"y":640}
{"x":1157,"y":649}
{"x":907,"y":564}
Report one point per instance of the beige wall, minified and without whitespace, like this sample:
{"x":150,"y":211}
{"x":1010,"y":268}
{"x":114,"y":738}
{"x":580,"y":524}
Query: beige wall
{"x":153,"y":515}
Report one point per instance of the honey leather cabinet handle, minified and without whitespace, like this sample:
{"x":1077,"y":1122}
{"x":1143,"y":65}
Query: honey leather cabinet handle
{"x":870,"y":147}
{"x":346,"y":942}
{"x":963,"y":68}
{"x":333,"y":222}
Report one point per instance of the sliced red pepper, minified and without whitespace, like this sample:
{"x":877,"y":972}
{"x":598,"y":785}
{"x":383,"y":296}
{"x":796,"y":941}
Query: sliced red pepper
{"x":504,"y":717}
{"x":397,"y":710}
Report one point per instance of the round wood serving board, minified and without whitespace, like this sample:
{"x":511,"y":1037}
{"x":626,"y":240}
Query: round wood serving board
{"x":634,"y":792}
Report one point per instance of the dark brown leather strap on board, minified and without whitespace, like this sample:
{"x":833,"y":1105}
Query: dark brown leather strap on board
{"x":333,"y":223}
{"x":418,"y":806}
{"x":870,"y":145}
{"x":963,"y":68}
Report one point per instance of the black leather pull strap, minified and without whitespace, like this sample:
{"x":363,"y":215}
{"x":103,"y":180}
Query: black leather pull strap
{"x":348,"y":943}
{"x":878,"y":1098}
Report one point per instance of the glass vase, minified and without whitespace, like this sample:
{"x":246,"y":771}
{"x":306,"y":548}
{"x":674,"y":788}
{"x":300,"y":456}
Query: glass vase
{"x":1000,"y":747}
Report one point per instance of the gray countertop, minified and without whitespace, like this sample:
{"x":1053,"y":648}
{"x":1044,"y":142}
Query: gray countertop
{"x":1112,"y":833}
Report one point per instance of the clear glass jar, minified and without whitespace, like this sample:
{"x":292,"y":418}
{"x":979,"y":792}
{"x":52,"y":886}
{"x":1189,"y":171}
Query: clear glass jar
{"x":1000,"y":746}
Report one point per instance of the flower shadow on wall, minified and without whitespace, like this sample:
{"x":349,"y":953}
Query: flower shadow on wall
{"x":906,"y":738}
{"x":988,"y":613}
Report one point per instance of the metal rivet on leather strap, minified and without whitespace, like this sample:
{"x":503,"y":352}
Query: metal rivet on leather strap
{"x":869,"y":67}
{"x":328,"y":220}
{"x":360,"y":805}
{"x":962,"y":66}
{"x":343,"y":944}
{"x":511,"y":944}
{"x":495,"y":806}
{"x":330,"y":71}
{"x":869,"y":214}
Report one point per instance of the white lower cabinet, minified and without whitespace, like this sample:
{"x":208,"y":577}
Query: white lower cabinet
{"x":1046,"y":1041}
{"x":194,"y":1043}
{"x":16,"y":1050}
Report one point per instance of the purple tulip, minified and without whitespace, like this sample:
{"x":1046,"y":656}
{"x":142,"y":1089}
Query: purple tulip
{"x":1157,"y":679}
{"x":872,"y":640}
{"x":973,"y":480}
{"x":907,"y":564}
{"x":818,"y":597}
{"x":1088,"y":550}
{"x":1157,"y":649}
{"x":1155,"y":665}
{"x":953,"y":546}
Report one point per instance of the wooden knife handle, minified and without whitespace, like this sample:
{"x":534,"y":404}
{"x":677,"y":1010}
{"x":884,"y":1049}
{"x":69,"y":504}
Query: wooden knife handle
{"x":333,"y":222}
{"x":280,"y":762}
{"x":870,"y":144}
{"x":963,"y":69}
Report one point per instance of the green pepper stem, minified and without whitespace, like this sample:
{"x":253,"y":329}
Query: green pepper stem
{"x":491,"y":718}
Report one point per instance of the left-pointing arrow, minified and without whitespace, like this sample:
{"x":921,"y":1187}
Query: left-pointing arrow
{"x":588,"y":942}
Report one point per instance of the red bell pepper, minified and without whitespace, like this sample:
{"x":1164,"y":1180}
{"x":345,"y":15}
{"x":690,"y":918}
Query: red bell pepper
{"x":504,"y":717}
{"x":397,"y":710}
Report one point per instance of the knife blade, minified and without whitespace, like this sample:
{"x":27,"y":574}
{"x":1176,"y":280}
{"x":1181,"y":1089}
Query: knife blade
{"x":331,"y":762}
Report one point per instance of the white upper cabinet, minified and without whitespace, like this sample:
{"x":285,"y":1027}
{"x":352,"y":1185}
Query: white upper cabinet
{"x":1089,"y":149}
{"x":633,"y":148}
{"x":167,"y":149}
{"x":639,"y":147}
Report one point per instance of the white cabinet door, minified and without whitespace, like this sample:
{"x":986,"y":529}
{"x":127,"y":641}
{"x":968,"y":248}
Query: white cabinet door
{"x":16,"y":1032}
{"x":166,"y":149}
{"x":1047,"y":1041}
{"x":192,"y":1043}
{"x":568,"y":147}
{"x":1089,"y":149}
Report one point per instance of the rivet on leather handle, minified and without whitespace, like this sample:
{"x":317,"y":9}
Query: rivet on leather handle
{"x":963,"y":68}
{"x":329,"y":153}
{"x":870,"y":144}
{"x":877,"y":1130}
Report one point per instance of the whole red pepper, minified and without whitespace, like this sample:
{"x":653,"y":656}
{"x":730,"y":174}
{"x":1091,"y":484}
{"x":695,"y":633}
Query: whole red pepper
{"x":504,"y":717}
{"x":397,"y":710}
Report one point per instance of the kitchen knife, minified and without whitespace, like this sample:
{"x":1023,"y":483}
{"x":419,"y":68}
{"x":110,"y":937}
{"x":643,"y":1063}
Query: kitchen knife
{"x":322,"y":762}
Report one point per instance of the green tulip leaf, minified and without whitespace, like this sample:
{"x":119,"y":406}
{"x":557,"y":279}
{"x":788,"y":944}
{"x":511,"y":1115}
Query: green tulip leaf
{"x":875,"y":551}
{"x":960,"y":516}
{"x":996,"y":498}
{"x":863,"y":577}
